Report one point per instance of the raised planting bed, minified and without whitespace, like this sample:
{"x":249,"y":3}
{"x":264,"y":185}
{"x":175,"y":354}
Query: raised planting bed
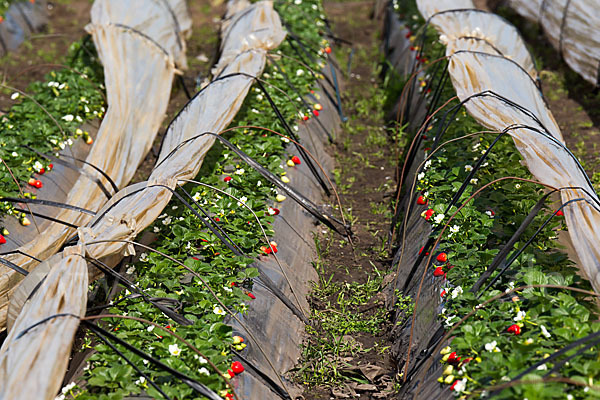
{"x":500,"y":310}
{"x":198,"y":277}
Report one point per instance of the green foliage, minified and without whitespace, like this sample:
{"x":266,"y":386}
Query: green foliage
{"x":548,"y":319}
{"x":182,"y":236}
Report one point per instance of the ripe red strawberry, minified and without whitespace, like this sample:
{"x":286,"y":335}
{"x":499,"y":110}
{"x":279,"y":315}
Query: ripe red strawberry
{"x":559,"y":213}
{"x":50,"y":166}
{"x":229,"y":396}
{"x":408,"y":34}
{"x":428,"y":214}
{"x":443,"y":293}
{"x":421,"y":250}
{"x":227,"y":179}
{"x":316,"y":113}
{"x":41,"y":171}
{"x":2,"y":239}
{"x":231,"y":373}
{"x":412,"y":48}
{"x":237,"y":367}
{"x":442,"y":257}
{"x":253,"y":297}
{"x":454,"y":384}
{"x":35,"y":183}
{"x":453,"y":359}
{"x":516,"y":329}
{"x":273,"y":211}
{"x":439,"y":272}
{"x":296,"y":160}
{"x":328,"y":50}
{"x":217,"y":219}
{"x":421,"y":200}
{"x":305,"y":118}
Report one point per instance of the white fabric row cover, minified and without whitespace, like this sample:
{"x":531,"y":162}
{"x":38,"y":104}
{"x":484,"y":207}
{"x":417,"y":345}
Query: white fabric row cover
{"x":138,"y":76}
{"x":482,"y":31}
{"x":573,"y":28}
{"x":428,"y":8}
{"x":41,"y":354}
{"x":501,"y":93}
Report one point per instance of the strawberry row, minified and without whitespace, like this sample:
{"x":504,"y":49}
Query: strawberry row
{"x":493,"y":241}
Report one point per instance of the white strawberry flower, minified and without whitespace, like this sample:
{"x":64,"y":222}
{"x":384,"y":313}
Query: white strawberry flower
{"x":461,"y":385}
{"x":468,"y":168}
{"x":174,"y":349}
{"x":14,"y":96}
{"x":204,"y":371}
{"x":68,"y":117}
{"x":456,"y":292}
{"x":491,"y":346}
{"x":520,"y":316}
{"x":218,"y":310}
{"x":545,"y":332}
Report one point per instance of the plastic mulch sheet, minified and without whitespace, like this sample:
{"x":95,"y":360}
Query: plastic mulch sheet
{"x":132,"y":209}
{"x":573,"y":28}
{"x":22,"y":19}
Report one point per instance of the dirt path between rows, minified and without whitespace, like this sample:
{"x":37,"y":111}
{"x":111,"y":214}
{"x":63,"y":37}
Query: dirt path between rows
{"x":347,"y":354}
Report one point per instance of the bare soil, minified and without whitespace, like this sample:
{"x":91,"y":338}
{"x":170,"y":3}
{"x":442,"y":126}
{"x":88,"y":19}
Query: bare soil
{"x":364,"y":167}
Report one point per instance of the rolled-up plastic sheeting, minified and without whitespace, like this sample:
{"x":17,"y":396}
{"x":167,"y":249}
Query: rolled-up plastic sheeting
{"x":573,"y":28}
{"x":255,"y":26}
{"x":22,"y":19}
{"x":138,"y":75}
{"x":34,"y":357}
{"x":135,"y":208}
{"x":485,"y":32}
{"x":545,"y":155}
{"x":158,"y":22}
{"x":427,"y":8}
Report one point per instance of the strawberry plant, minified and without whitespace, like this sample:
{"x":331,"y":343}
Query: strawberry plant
{"x":507,"y":339}
{"x":46,"y":118}
{"x":229,"y":187}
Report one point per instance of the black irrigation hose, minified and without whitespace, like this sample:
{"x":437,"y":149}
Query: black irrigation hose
{"x":270,"y":383}
{"x":308,"y":205}
{"x":307,"y":62}
{"x":48,"y":203}
{"x":192,"y":383}
{"x":184,"y":86}
{"x":543,"y":131}
{"x":22,"y":253}
{"x":286,"y":126}
{"x":291,"y":133}
{"x":35,"y":214}
{"x":79,"y":170}
{"x":553,"y":356}
{"x":520,"y":251}
{"x":503,"y":253}
{"x":295,"y":89}
{"x":14,"y":267}
{"x":43,"y":321}
{"x":128,"y":361}
{"x":269,"y":284}
{"x":180,"y":319}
